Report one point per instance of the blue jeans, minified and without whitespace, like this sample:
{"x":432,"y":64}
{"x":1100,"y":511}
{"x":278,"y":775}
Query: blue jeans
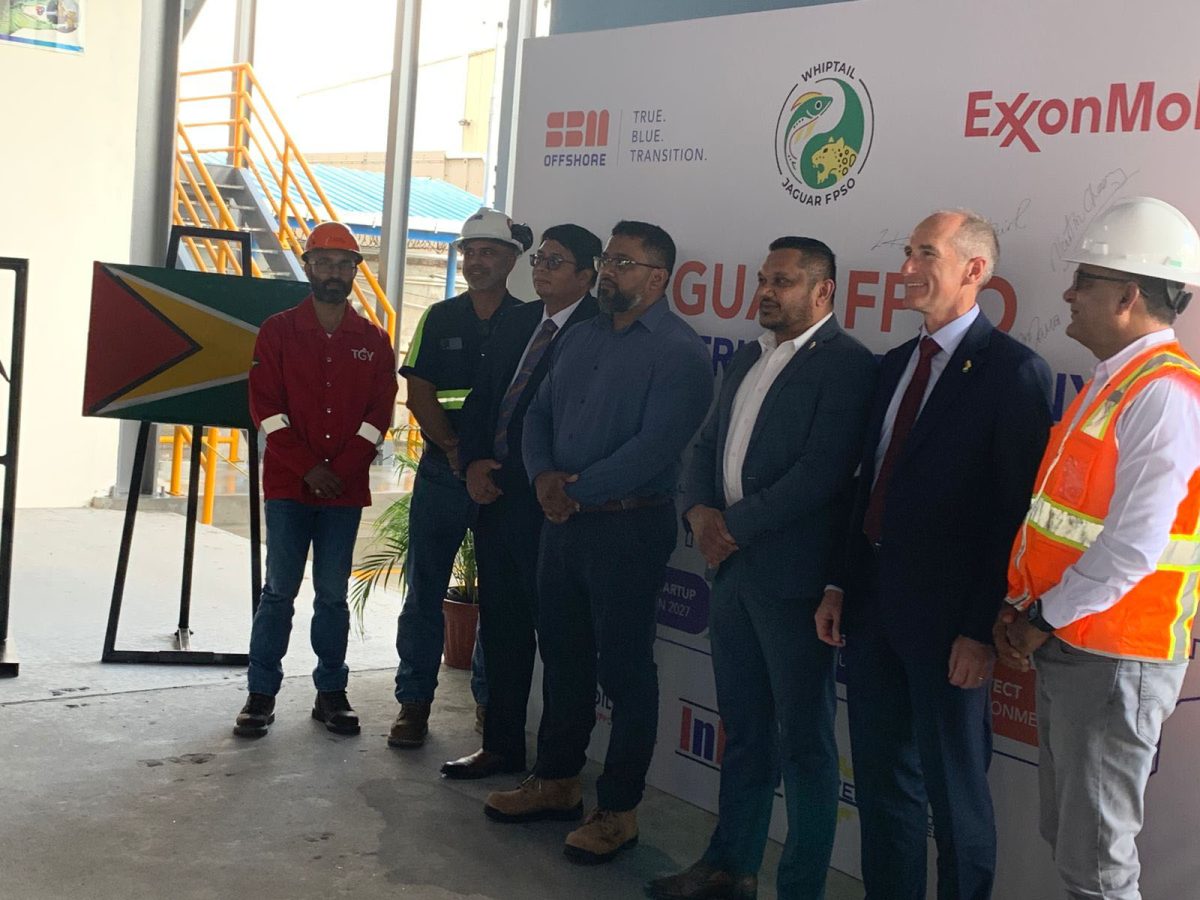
{"x":438,"y":518}
{"x":479,"y":687}
{"x":291,"y":527}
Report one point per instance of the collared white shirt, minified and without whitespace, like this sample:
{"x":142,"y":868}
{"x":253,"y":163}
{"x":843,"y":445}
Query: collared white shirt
{"x":559,"y":318}
{"x":1158,"y":436}
{"x":748,"y":400}
{"x":948,"y":337}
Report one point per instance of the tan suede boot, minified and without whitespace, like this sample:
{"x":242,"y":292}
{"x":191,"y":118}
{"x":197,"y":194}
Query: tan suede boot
{"x":560,"y":799}
{"x":605,"y":834}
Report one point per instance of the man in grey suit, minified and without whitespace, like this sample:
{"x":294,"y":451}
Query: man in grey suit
{"x":765,"y":497}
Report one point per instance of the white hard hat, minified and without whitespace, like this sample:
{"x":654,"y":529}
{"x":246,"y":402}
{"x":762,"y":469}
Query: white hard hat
{"x":490,"y":224}
{"x":1142,"y":236}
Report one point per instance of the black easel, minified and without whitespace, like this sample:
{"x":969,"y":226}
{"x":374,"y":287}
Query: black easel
{"x":10,"y":666}
{"x":183,"y":654}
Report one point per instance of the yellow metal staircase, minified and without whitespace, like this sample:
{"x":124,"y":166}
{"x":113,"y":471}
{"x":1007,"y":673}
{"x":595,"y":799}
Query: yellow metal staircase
{"x":237,"y":168}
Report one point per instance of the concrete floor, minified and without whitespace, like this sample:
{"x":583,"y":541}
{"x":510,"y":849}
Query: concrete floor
{"x":126,"y":782}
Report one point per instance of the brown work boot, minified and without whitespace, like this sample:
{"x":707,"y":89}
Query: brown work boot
{"x":703,"y":882}
{"x":602,"y":836}
{"x":560,"y":799}
{"x":411,"y":725}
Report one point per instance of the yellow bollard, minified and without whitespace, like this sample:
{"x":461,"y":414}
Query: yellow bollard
{"x":210,"y":475}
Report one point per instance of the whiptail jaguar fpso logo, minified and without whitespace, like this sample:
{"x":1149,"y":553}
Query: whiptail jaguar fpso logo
{"x":824,"y":133}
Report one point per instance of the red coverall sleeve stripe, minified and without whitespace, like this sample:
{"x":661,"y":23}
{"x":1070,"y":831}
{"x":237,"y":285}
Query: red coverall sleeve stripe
{"x":268,"y":398}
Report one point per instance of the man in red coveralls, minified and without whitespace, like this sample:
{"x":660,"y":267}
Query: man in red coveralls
{"x":322,"y":389}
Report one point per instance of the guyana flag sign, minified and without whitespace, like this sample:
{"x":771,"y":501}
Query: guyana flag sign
{"x":167,"y":345}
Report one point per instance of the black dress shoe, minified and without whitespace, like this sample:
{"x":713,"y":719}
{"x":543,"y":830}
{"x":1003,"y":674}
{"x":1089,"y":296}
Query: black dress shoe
{"x":703,"y":882}
{"x":333,"y":708}
{"x":480,"y":764}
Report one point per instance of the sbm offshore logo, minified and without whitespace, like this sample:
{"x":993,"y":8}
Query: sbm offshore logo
{"x":579,"y":135}
{"x":824,"y":133}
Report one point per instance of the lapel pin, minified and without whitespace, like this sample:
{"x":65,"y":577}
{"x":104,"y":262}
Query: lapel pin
{"x":812,"y":344}
{"x":966,"y":367}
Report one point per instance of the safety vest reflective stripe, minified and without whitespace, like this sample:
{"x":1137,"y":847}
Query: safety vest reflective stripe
{"x":1182,"y":554}
{"x":1065,"y":526}
{"x":414,"y":349}
{"x":1061,"y":524}
{"x":1097,"y":423}
{"x":453,"y":399}
{"x":1185,"y":614}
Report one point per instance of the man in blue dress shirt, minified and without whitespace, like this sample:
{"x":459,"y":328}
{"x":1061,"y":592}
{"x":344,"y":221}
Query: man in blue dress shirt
{"x":625,"y":393}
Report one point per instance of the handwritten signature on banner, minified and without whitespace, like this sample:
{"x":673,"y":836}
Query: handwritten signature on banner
{"x":1038,"y":331}
{"x":1016,"y":222}
{"x":1097,"y":196}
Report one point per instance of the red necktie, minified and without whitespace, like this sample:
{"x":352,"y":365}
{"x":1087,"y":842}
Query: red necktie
{"x":910,"y":404}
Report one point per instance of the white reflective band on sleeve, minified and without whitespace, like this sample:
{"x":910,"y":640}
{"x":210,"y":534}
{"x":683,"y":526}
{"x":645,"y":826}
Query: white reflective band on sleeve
{"x":274,"y":423}
{"x":370,"y":432}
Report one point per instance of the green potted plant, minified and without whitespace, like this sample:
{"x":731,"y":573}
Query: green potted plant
{"x":389,"y":557}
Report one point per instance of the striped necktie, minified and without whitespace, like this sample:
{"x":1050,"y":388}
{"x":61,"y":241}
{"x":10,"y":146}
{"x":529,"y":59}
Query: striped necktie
{"x":509,"y":405}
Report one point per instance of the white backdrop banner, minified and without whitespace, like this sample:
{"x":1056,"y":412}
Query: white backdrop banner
{"x":850,"y":123}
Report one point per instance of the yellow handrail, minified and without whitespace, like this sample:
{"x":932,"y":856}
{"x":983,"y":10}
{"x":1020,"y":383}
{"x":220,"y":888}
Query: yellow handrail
{"x":254,"y":138}
{"x":260,"y":141}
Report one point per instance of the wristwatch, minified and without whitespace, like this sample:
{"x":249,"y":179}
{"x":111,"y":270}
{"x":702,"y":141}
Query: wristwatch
{"x":1034,"y":614}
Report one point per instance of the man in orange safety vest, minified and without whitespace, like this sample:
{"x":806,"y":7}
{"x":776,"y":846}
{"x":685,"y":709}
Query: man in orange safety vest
{"x":1103,"y":578}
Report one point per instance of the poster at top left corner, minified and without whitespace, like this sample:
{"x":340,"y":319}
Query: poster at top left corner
{"x":49,"y":24}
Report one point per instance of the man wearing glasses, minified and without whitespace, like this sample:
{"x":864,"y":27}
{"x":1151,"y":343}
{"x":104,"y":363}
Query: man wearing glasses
{"x":322,"y":389}
{"x":514,"y":364}
{"x":439,"y":370}
{"x":1102,"y":583}
{"x":625,"y":393}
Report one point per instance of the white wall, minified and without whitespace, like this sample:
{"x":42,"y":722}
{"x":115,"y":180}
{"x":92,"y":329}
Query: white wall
{"x":67,"y":154}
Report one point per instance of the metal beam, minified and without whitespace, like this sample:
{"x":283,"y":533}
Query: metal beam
{"x":397,"y":182}
{"x":522,"y":24}
{"x":154,"y":167}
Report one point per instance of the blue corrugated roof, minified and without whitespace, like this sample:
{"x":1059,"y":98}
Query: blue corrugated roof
{"x":353,"y":191}
{"x":357,"y":196}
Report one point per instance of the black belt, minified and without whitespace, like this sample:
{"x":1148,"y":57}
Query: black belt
{"x":627,"y":503}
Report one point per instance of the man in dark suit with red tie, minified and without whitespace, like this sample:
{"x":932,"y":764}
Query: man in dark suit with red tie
{"x":514,"y":363}
{"x":959,"y":422}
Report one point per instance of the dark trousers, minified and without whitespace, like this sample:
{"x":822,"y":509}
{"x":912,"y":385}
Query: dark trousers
{"x":917,"y":740}
{"x":775,"y":690}
{"x":506,"y":549}
{"x":599,"y":577}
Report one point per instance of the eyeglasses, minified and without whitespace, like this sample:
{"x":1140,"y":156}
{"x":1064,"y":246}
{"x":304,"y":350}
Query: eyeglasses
{"x":341,"y":266}
{"x":1080,"y":277}
{"x":620,"y":263}
{"x":549,"y":263}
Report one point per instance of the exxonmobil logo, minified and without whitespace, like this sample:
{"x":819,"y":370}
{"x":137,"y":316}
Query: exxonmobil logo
{"x":1026,"y":120}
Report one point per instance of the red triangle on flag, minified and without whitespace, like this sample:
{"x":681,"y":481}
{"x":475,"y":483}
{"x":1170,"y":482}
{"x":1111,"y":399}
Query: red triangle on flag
{"x":117,"y":314}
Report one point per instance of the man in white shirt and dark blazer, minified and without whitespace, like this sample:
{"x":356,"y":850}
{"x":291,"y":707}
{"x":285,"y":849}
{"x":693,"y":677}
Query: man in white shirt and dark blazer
{"x":764,"y":498}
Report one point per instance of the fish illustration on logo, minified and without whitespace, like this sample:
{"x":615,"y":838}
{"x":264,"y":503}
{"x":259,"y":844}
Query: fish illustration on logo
{"x":824,"y":131}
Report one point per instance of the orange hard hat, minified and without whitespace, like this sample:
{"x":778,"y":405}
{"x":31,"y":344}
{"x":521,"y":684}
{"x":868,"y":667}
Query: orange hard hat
{"x":331,"y":236}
